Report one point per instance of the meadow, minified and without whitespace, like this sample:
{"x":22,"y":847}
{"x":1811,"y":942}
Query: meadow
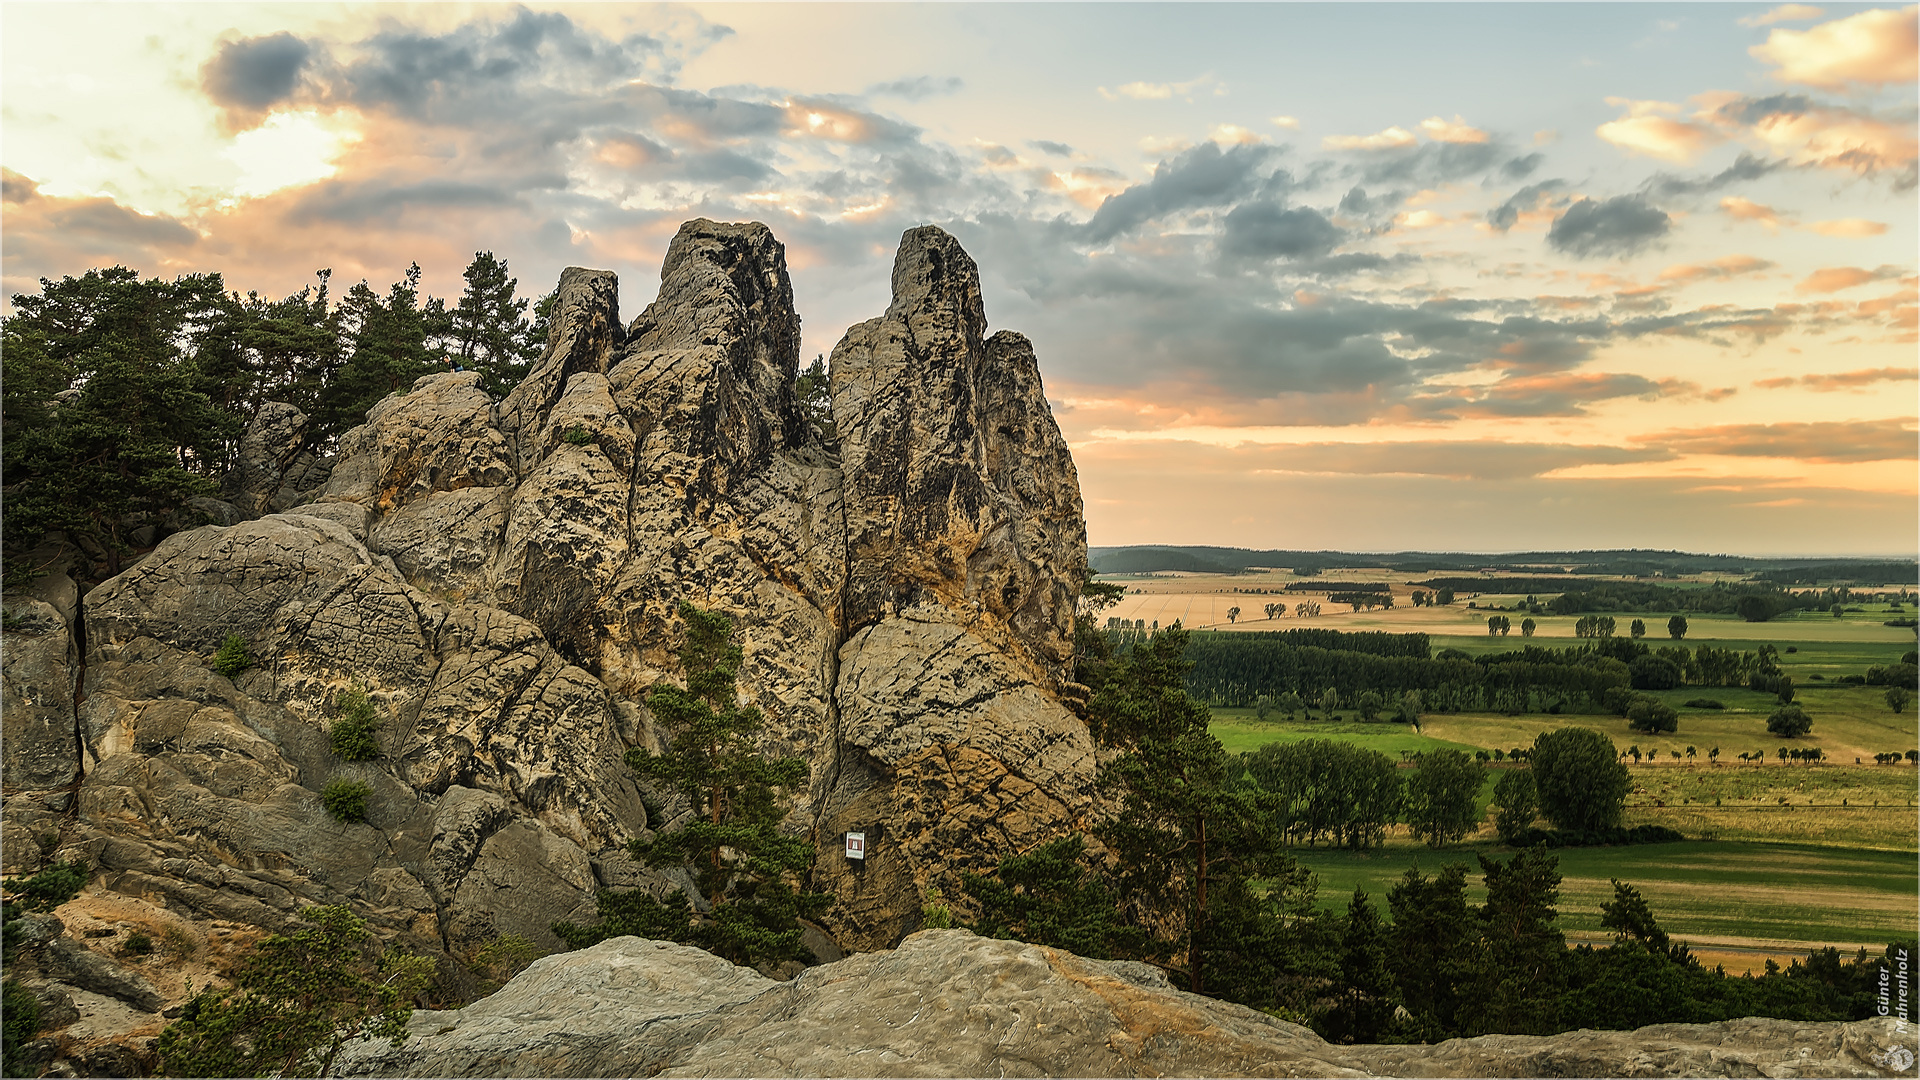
{"x":1737,"y":903}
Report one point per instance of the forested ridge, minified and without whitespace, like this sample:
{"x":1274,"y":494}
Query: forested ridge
{"x":125,"y":398}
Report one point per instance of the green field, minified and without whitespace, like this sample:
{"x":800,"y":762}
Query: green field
{"x":1719,"y":891}
{"x":1239,"y":730}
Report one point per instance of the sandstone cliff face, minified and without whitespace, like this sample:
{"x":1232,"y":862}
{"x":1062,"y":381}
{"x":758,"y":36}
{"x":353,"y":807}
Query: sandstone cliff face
{"x":502,"y":578}
{"x":946,"y":1003}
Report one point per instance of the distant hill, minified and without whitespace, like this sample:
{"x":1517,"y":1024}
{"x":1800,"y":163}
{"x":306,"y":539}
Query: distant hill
{"x":1633,"y":562}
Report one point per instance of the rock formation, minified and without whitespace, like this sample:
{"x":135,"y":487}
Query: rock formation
{"x":501,"y":578}
{"x":946,"y":1003}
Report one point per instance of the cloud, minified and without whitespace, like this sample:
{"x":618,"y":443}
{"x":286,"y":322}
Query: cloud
{"x":1549,"y":394}
{"x":1838,"y":278}
{"x":1493,"y":460}
{"x":1784,"y":13}
{"x":250,"y":76}
{"x":1619,"y":226}
{"x":1263,"y":230}
{"x":1829,"y":442}
{"x":1719,"y":269}
{"x":1648,"y":130}
{"x":15,"y":188}
{"x":1842,"y":380}
{"x":1529,"y":198}
{"x":1851,"y":228}
{"x":1873,"y":48}
{"x":1203,"y":176}
{"x":1744,"y":167}
{"x":1807,"y":133}
{"x":1287,"y":122}
{"x":1741,"y":209}
{"x":1456,"y":131}
{"x":1389,"y":139}
{"x":1057,"y":149}
{"x":1152,"y":91}
{"x":919,"y":88}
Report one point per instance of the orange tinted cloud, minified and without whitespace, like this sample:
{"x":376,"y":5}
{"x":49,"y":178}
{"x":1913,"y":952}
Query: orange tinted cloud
{"x":1836,"y":278}
{"x":1851,"y":228}
{"x":1823,"y":441}
{"x":1645,"y":130}
{"x":1730,"y":266}
{"x":1384,"y":140}
{"x":1873,"y":48}
{"x":1740,"y":209}
{"x":1842,"y":380}
{"x":1457,"y":131}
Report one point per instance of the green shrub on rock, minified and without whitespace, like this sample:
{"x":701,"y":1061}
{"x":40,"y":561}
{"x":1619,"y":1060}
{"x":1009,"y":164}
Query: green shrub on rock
{"x":346,"y":800}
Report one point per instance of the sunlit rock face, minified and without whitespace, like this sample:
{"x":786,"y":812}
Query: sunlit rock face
{"x":946,"y":1003}
{"x":501,"y":579}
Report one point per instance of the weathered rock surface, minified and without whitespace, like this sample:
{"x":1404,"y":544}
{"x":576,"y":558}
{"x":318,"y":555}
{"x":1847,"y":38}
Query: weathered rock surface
{"x":966,"y":548}
{"x":503,"y":578}
{"x":946,"y":1003}
{"x":275,"y":469}
{"x":37,"y":676}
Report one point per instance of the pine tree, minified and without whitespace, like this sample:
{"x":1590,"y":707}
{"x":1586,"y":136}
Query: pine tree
{"x":389,"y":341}
{"x":743,"y":863}
{"x":488,"y":327}
{"x":1433,"y":946}
{"x":1519,"y":990}
{"x":1364,"y":1002}
{"x":1189,"y":826}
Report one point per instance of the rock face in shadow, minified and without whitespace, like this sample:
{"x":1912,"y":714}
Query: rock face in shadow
{"x":946,"y":1003}
{"x":501,"y":579}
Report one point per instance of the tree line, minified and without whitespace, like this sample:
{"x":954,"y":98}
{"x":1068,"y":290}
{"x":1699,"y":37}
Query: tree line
{"x":1195,"y":874}
{"x":125,"y":398}
{"x":1249,"y":670}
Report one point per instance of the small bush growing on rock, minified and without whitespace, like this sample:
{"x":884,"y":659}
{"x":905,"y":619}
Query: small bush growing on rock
{"x":138,"y":943}
{"x":232,"y":659}
{"x":296,"y":1001}
{"x":355,"y":731}
{"x":499,"y":960}
{"x":22,"y":1023}
{"x":346,"y":800}
{"x":577,"y":435}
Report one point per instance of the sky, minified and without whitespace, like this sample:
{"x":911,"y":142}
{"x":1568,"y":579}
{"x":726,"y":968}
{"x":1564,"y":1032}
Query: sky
{"x":1368,"y":277}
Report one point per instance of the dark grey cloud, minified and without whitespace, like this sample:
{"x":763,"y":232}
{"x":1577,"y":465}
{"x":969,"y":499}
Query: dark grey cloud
{"x":254,"y":74}
{"x":1619,"y":226}
{"x":1521,"y":167}
{"x":1754,"y":110}
{"x":1265,"y":230}
{"x":1507,"y":214}
{"x":919,"y":88}
{"x":1430,"y":163}
{"x":360,"y":202}
{"x":1200,"y":177}
{"x":1057,"y":149}
{"x":467,"y":72}
{"x":1745,"y":167}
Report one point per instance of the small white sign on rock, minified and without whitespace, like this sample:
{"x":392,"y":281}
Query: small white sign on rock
{"x":857,"y":845}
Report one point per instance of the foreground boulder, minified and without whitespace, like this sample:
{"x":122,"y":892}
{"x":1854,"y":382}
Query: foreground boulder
{"x":947,"y":1003}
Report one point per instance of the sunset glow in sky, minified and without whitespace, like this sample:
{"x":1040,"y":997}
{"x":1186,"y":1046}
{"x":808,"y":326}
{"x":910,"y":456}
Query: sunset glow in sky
{"x":1374,"y":277}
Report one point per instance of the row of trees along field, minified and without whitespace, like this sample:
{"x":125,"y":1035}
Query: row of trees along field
{"x":1291,"y":669}
{"x":1754,"y":601}
{"x":124,"y":398}
{"x":1196,"y":873}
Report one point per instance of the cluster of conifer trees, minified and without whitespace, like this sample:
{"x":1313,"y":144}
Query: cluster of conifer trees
{"x":124,"y":398}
